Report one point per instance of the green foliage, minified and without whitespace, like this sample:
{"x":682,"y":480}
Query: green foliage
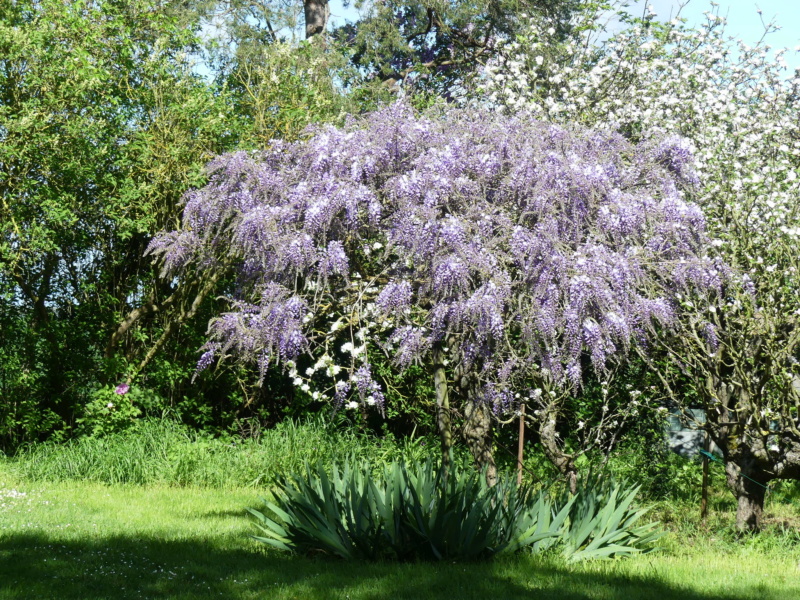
{"x":109,"y":412}
{"x":104,"y":125}
{"x":162,"y":451}
{"x":416,"y":511}
{"x":603,"y":522}
{"x":280,"y":89}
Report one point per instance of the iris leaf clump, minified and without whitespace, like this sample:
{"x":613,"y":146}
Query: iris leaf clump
{"x":417,"y":511}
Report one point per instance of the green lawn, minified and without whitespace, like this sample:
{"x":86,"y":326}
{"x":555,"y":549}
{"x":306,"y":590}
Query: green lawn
{"x":89,"y":541}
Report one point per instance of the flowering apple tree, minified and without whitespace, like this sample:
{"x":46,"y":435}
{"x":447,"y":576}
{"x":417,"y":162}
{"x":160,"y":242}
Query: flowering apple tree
{"x":737,"y":111}
{"x":505,"y":254}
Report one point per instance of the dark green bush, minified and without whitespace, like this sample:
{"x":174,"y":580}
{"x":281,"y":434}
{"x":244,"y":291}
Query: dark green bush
{"x":414,"y":511}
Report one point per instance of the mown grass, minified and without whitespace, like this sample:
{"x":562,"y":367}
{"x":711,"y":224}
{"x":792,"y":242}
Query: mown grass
{"x":94,"y":541}
{"x":159,"y":512}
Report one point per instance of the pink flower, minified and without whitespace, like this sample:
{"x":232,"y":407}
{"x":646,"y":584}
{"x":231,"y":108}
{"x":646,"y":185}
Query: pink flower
{"x":122,"y":389}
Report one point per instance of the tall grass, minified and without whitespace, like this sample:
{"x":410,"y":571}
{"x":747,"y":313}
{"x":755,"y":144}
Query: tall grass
{"x":162,"y":451}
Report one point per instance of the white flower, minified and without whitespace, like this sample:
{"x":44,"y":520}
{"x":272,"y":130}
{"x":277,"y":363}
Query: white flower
{"x":110,"y":405}
{"x":351,"y":405}
{"x":539,"y":60}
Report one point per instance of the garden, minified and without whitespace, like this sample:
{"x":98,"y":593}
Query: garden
{"x":452,"y":299}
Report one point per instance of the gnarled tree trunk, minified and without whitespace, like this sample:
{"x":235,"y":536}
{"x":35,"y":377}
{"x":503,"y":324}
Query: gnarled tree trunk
{"x":442,"y":405}
{"x":478,"y":431}
{"x":749,"y":487}
{"x":565,"y":463}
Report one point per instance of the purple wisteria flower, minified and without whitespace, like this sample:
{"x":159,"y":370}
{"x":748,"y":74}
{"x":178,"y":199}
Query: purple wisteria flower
{"x":521,"y":250}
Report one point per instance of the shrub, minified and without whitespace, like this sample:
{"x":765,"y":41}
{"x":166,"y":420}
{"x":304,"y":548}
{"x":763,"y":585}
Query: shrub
{"x":414,"y":511}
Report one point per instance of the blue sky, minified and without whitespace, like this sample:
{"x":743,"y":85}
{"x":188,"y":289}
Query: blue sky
{"x":744,"y":22}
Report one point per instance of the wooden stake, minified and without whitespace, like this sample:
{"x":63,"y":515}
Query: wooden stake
{"x":521,"y":442}
{"x":704,"y":488}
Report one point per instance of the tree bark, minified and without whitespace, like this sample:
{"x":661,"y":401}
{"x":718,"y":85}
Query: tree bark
{"x":750,"y":492}
{"x":478,"y":432}
{"x":316,"y":14}
{"x":565,"y":463}
{"x":442,"y":406}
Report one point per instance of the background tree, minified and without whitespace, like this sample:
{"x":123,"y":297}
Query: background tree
{"x":103,"y":126}
{"x":438,"y":45}
{"x":96,"y":113}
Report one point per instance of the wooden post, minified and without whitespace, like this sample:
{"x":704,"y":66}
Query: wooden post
{"x":704,"y":488}
{"x":521,"y":442}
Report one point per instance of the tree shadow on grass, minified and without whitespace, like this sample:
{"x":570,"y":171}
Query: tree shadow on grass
{"x":36,"y":565}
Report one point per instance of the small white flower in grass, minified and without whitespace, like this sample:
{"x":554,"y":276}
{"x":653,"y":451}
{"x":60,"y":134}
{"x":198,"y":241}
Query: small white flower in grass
{"x":351,"y":405}
{"x":110,"y":405}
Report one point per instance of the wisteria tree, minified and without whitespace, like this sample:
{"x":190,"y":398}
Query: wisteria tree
{"x":505,"y":254}
{"x":738,"y":111}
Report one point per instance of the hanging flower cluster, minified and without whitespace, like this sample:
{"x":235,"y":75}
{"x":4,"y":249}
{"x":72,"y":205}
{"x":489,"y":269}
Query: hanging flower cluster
{"x":517,"y":248}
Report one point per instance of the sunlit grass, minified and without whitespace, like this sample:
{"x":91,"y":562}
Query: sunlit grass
{"x":92,"y":541}
{"x":164,"y":452}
